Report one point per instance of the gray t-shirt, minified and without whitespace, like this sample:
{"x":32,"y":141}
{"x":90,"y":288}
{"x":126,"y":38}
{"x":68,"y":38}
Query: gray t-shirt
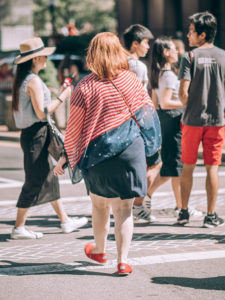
{"x":140,"y":69}
{"x":168,"y":80}
{"x":206,"y":100}
{"x":26,"y":116}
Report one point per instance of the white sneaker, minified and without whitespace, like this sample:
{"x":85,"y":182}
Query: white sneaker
{"x":140,"y":212}
{"x":73,"y":223}
{"x":194,"y":212}
{"x":24,"y":233}
{"x":147,"y":203}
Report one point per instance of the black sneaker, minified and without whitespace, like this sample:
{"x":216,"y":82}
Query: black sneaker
{"x":183,"y":217}
{"x":213,"y":221}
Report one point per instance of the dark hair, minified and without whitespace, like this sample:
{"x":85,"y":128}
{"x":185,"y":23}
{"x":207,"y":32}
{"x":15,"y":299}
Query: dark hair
{"x":158,"y":58}
{"x":137,"y":33}
{"x":205,"y":22}
{"x":22,"y":71}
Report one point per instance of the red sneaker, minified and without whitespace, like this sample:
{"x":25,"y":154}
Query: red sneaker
{"x":99,"y":257}
{"x":124,"y":269}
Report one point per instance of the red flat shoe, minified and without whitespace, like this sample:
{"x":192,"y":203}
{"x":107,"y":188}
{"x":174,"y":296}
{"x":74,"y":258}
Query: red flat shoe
{"x":99,"y":257}
{"x":124,"y":269}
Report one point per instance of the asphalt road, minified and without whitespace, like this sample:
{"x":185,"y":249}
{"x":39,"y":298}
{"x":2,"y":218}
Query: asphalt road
{"x":170,"y":262}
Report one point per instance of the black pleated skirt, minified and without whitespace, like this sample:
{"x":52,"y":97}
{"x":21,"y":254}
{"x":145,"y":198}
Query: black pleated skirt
{"x":121,"y":176}
{"x":40,"y":185}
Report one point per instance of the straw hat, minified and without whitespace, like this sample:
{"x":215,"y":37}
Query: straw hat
{"x":32,"y":48}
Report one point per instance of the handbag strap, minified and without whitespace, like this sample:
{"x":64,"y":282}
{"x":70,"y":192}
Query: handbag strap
{"x":51,"y":123}
{"x":49,"y":119}
{"x":125,"y":100}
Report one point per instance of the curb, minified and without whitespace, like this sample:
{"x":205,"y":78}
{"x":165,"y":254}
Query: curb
{"x":9,"y":137}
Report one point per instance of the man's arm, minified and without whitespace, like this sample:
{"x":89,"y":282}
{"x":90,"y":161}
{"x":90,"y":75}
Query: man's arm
{"x":183,"y":91}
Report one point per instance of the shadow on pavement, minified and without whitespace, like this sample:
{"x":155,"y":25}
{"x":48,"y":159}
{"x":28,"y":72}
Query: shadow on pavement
{"x":10,"y":268}
{"x":211,"y":283}
{"x":165,"y":236}
{"x":42,"y":221}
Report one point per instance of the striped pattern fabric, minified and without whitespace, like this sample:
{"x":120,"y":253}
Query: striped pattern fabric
{"x":97,"y":107}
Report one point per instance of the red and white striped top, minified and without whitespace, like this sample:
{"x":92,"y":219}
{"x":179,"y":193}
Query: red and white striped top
{"x":97,"y":107}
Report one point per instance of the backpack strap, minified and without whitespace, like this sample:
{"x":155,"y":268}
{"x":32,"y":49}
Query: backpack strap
{"x":191,"y":56}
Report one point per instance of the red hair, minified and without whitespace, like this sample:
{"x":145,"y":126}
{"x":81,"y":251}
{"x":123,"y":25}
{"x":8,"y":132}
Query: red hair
{"x":106,"y":56}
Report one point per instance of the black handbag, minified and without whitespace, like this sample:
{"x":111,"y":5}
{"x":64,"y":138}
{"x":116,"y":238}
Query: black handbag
{"x":56,"y":147}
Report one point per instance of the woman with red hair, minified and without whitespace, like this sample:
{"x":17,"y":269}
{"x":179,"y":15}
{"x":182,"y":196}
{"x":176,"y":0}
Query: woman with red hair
{"x":105,"y":143}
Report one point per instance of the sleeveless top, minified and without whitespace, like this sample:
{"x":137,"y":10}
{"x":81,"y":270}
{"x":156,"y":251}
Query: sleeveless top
{"x":25,"y":116}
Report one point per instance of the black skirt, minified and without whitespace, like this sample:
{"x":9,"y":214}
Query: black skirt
{"x":40,"y":186}
{"x":171,"y":142}
{"x":122,"y":176}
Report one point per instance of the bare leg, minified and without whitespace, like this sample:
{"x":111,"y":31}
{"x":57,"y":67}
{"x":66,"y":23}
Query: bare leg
{"x":100,"y":221}
{"x":211,"y":187}
{"x":59,"y":209}
{"x":177,"y":191}
{"x":186,"y":181}
{"x":156,"y":183}
{"x":21,"y":217}
{"x":152,"y":172}
{"x":122,"y":211}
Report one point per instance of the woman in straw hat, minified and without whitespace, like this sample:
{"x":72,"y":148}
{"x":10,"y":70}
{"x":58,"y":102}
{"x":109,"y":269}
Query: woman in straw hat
{"x":104,"y":141}
{"x":30,"y":97}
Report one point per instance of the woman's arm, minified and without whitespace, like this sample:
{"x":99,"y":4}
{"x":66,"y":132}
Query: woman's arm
{"x":36,"y":93}
{"x":183,"y":91}
{"x":166,"y":101}
{"x":155,"y":99}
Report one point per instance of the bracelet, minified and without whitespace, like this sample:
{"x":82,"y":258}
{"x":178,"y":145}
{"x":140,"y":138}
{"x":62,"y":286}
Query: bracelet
{"x":60,"y":99}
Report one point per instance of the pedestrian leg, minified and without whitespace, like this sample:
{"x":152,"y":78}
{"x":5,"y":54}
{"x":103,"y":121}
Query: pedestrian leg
{"x":186,"y":181}
{"x":59,"y":209}
{"x":100,"y":221}
{"x":177,"y":191}
{"x":21,"y":217}
{"x":122,"y":211}
{"x":212,"y":187}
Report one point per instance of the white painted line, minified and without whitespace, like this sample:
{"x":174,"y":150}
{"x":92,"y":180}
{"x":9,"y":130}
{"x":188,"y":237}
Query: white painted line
{"x":138,"y":261}
{"x":64,"y":199}
{"x":87,"y":198}
{"x":8,"y":183}
{"x":203,"y":174}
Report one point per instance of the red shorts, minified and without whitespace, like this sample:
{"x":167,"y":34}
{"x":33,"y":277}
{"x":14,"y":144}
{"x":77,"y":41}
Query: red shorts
{"x":212,"y":139}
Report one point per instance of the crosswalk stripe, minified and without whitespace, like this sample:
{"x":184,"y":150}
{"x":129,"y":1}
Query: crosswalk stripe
{"x":138,"y":261}
{"x":9,"y":183}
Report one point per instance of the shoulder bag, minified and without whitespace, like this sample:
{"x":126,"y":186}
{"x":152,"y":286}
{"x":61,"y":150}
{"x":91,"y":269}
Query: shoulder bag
{"x":56,"y":148}
{"x":149,"y":125}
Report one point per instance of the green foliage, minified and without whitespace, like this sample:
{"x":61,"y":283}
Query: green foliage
{"x":99,"y":15}
{"x":49,"y":76}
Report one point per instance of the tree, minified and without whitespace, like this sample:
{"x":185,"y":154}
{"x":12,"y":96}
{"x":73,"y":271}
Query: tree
{"x":88,"y":15}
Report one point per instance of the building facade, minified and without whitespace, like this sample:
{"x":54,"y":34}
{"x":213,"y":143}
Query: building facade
{"x":169,"y":17}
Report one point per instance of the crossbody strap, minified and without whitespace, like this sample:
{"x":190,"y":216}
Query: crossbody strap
{"x":191,"y":55}
{"x":125,"y":100}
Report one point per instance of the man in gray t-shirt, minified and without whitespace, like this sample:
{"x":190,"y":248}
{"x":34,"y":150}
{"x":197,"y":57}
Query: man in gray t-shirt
{"x":202,"y":74}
